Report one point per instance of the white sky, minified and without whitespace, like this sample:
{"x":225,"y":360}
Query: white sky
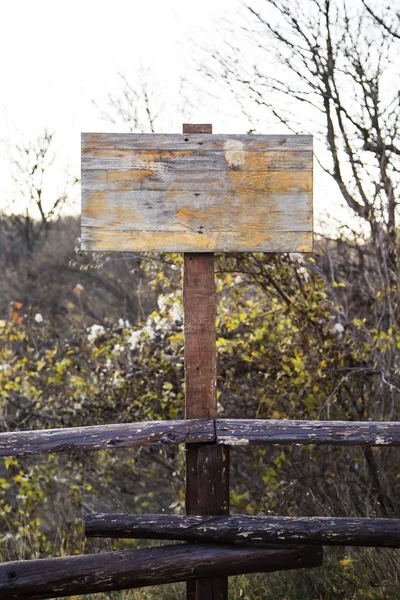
{"x":57,"y":57}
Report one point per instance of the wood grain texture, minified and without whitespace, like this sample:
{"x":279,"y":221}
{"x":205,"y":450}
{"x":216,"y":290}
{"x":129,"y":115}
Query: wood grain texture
{"x":73,"y":439}
{"x":189,"y":193}
{"x":199,"y":305}
{"x":168,"y":161}
{"x":236,"y":432}
{"x":237,"y":241}
{"x":208,"y":477}
{"x":207,"y":493}
{"x":105,"y":572}
{"x":195,"y":141}
{"x":338,"y":531}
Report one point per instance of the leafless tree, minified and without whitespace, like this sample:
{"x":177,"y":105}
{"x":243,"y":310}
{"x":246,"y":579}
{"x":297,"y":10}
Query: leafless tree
{"x":34,"y":209}
{"x":389,"y":18}
{"x":135,"y":105}
{"x":335,"y":63}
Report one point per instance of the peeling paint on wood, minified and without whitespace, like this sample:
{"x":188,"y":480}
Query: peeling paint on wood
{"x":230,"y":440}
{"x":129,"y":569}
{"x":191,"y":193}
{"x":345,"y":433}
{"x":337,"y":531}
{"x":96,"y":437}
{"x":229,"y":432}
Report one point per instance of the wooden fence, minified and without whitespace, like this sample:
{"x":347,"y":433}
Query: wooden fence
{"x":217,"y":546}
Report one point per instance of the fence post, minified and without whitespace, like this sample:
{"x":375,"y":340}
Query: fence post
{"x":207,"y":465}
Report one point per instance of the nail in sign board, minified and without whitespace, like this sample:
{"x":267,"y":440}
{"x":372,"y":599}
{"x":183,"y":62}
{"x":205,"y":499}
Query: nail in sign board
{"x":196,"y":192}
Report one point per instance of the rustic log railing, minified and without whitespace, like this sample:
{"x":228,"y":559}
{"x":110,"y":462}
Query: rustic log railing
{"x":230,"y":432}
{"x":339,"y":531}
{"x":100,"y":437}
{"x":345,"y":433}
{"x":93,"y":573}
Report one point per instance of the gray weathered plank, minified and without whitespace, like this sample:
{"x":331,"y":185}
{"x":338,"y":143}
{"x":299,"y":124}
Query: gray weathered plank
{"x":181,"y":141}
{"x":98,"y":437}
{"x":237,"y":193}
{"x":291,"y":214}
{"x":236,"y":432}
{"x":273,"y":188}
{"x":330,"y":531}
{"x":163,"y":161}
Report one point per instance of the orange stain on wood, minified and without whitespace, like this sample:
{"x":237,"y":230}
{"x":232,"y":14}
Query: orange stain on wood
{"x":273,"y":161}
{"x":131,"y":175}
{"x":147,"y":241}
{"x":251,"y":217}
{"x":270,"y":183}
{"x":96,"y":205}
{"x":99,"y":207}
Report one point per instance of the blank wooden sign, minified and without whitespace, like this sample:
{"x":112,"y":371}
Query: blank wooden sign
{"x":197,"y":192}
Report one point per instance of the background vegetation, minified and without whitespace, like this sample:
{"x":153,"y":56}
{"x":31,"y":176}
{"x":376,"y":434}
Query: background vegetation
{"x":88,"y":339}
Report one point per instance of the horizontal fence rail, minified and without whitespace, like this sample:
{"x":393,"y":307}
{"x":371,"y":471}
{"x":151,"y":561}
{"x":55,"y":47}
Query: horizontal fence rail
{"x":98,"y":437}
{"x":241,"y":432}
{"x":231,"y":432}
{"x":342,"y":531}
{"x":93,"y":573}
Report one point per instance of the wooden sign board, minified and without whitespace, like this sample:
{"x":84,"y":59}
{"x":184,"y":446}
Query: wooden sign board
{"x":196,"y":192}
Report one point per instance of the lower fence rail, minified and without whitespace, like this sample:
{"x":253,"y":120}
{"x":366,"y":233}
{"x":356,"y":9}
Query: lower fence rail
{"x":92,"y":573}
{"x":339,"y":531}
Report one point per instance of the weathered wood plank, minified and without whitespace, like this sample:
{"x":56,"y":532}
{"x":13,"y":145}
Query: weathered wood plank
{"x":238,"y":186}
{"x":187,"y":141}
{"x":230,"y":196}
{"x":95,"y":573}
{"x":134,"y":211}
{"x":160,"y":241}
{"x":338,"y":531}
{"x":106,"y":436}
{"x":236,"y":432}
{"x":164,"y":161}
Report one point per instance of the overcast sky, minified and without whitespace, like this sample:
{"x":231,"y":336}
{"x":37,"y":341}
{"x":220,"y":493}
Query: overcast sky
{"x":57,"y":57}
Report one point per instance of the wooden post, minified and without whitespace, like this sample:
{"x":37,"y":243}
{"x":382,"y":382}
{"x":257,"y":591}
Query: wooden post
{"x":207,"y":465}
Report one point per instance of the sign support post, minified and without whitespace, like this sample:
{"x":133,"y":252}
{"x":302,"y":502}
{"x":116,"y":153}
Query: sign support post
{"x":207,"y":465}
